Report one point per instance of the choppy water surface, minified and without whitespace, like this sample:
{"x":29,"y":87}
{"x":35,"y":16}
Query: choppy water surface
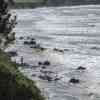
{"x":75,"y":29}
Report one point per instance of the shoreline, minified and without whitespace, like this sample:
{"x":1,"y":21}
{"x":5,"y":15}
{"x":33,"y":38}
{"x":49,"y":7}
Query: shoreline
{"x":16,"y":85}
{"x":37,"y":5}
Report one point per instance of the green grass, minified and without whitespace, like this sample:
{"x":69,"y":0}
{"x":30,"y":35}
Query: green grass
{"x":31,"y":1}
{"x":13,"y":85}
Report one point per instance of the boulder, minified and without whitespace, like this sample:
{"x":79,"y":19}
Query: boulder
{"x":58,"y":50}
{"x":12,"y":53}
{"x":74,"y":81}
{"x":43,"y":67}
{"x":45,"y":77}
{"x":30,"y":42}
{"x":40,"y":63}
{"x":47,"y":63}
{"x":81,"y":68}
{"x":21,"y":38}
{"x":56,"y":79}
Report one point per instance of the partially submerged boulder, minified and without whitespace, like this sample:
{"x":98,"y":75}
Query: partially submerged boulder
{"x":39,"y":47}
{"x":40,"y":63}
{"x":58,"y":50}
{"x":81,"y":68}
{"x":21,"y":38}
{"x":74,"y":81}
{"x":47,"y":63}
{"x":45,"y":77}
{"x":12,"y":53}
{"x":32,"y":42}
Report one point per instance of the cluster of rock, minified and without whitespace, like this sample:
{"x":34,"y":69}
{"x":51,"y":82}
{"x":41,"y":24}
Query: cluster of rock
{"x":76,"y":80}
{"x":32,"y":43}
{"x":47,"y":74}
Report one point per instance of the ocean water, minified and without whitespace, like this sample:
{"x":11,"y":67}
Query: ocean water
{"x":76,"y":30}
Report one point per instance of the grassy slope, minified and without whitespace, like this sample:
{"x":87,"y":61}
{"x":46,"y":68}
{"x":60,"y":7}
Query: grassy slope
{"x":13,"y":85}
{"x":31,"y":1}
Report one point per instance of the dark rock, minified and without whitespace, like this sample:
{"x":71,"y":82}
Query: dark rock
{"x":42,"y":49}
{"x":95,"y":48}
{"x":40,"y":63}
{"x":58,"y":50}
{"x":66,"y":49}
{"x":30,"y":42}
{"x":49,"y":78}
{"x":46,"y":72}
{"x":32,"y":39}
{"x":56,"y":79}
{"x":35,"y":66}
{"x":43,"y":67}
{"x":47,"y":63}
{"x":90,"y":94}
{"x":12,"y":53}
{"x":74,"y":81}
{"x":37,"y":46}
{"x":32,"y":47}
{"x":21,"y":38}
{"x":92,"y":25}
{"x":26,"y":42}
{"x":81,"y":68}
{"x":28,"y":37}
{"x":45,"y":77}
{"x":33,"y":75}
{"x":26,"y":65}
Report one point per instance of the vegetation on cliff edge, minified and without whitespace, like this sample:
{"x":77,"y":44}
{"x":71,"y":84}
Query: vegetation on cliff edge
{"x":13,"y":85}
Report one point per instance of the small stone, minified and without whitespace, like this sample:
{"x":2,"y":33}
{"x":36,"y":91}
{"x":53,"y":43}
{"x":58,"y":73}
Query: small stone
{"x":45,"y":77}
{"x":40,"y":63}
{"x":49,"y":78}
{"x":35,"y":66}
{"x":32,"y":39}
{"x":44,"y":67}
{"x":81,"y":68}
{"x":33,"y":75}
{"x":58,"y":50}
{"x":32,"y":42}
{"x":95,"y":48}
{"x":32,"y":47}
{"x":56,"y":79}
{"x":21,"y":38}
{"x":26,"y":42}
{"x":42,"y":48}
{"x":28,"y":37}
{"x":74,"y":81}
{"x":12,"y":53}
{"x":90,"y":94}
{"x":46,"y":63}
{"x":66,"y":49}
{"x":37,"y":46}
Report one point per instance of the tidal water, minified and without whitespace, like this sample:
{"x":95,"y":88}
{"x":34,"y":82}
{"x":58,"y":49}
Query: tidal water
{"x":76,"y":30}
